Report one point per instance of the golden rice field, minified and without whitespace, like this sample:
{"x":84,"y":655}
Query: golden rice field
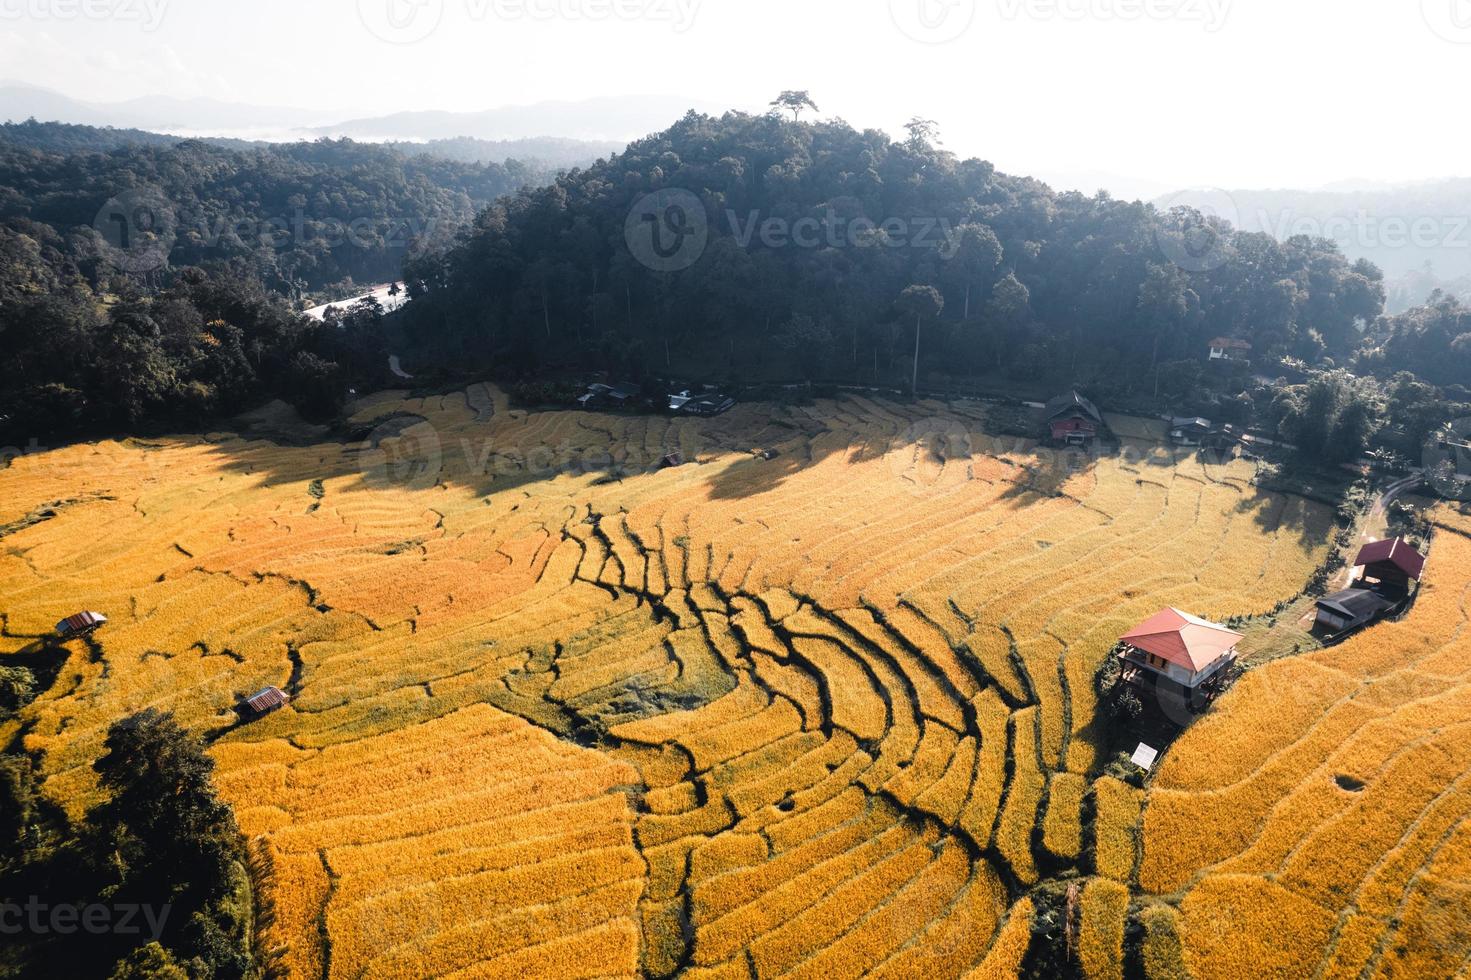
{"x":1280,"y":869}
{"x":827,"y":714}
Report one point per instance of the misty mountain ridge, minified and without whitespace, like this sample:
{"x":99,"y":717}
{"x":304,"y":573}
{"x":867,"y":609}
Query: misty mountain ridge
{"x":1417,"y":232}
{"x":606,"y":120}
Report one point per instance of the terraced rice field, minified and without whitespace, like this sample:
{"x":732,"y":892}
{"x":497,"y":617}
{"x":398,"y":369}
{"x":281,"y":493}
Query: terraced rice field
{"x":1318,"y":823}
{"x":557,"y":714}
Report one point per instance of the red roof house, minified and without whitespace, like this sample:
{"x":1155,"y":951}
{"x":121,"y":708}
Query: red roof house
{"x":1185,"y":648}
{"x":1398,"y":552}
{"x":1393,"y":563}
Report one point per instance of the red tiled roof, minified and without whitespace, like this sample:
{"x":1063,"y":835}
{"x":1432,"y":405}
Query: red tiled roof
{"x":1183,"y":639}
{"x":1395,"y":550}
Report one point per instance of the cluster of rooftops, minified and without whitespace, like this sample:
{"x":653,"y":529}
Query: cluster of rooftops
{"x":626,"y":394}
{"x":1388,"y":568}
{"x":1191,"y":654}
{"x":1073,"y":420}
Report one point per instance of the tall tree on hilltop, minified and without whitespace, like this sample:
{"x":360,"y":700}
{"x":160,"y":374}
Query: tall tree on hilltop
{"x":795,"y":101}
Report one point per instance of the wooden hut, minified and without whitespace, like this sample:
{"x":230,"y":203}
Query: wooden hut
{"x":1073,"y":420}
{"x":262,"y":703}
{"x":79,"y":624}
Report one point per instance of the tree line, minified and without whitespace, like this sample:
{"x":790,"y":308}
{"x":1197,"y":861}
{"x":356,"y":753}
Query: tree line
{"x":800,"y":250}
{"x":1013,"y":280}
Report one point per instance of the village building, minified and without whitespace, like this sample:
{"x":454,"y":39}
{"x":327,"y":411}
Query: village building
{"x":1228,"y":348}
{"x":1223,"y":439}
{"x":1349,"y":611}
{"x":1190,"y":431}
{"x":1390,"y":566}
{"x":79,"y":624}
{"x":615,"y":396}
{"x":1176,"y":653}
{"x":595,"y":395}
{"x":1194,"y":432}
{"x":713,"y":403}
{"x":624,"y":393}
{"x":1384,"y":573}
{"x":1073,"y":420}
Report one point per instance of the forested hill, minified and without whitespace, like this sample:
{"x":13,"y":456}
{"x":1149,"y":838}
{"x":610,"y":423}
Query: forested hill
{"x":785,"y":247}
{"x":299,"y":217}
{"x":58,"y":137}
{"x":148,"y":285}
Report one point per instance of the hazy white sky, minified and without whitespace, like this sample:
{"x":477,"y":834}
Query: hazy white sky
{"x":1178,"y":92}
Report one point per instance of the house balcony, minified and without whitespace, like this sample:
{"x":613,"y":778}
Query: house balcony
{"x":1139,"y":666}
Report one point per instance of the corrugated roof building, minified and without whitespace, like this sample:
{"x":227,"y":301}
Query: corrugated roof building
{"x":266,"y":701}
{"x":79,"y":623}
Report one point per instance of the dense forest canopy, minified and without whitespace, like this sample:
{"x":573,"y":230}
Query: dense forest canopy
{"x":115,"y":327}
{"x":745,"y":248}
{"x":301,"y":217}
{"x":811,"y":232}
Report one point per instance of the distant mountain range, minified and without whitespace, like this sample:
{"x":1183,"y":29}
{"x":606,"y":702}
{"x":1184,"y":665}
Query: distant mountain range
{"x":159,"y":114}
{"x":555,"y":129}
{"x":607,"y":118}
{"x":543,"y":154}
